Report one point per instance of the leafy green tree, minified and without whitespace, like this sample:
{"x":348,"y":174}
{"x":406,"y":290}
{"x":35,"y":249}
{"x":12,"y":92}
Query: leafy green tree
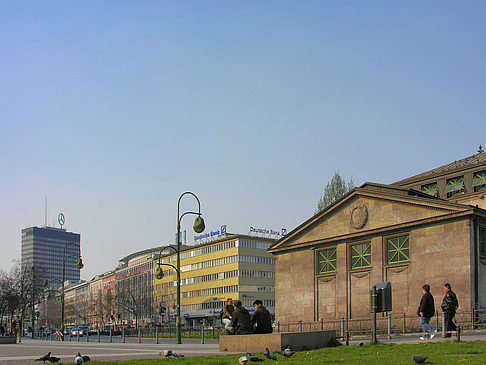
{"x":334,"y":190}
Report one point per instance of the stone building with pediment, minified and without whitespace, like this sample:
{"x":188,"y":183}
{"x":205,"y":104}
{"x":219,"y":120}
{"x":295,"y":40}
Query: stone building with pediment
{"x":401,"y":233}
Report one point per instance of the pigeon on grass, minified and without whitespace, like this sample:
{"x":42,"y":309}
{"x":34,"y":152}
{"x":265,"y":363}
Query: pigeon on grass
{"x":242,"y":360}
{"x":288,"y":352}
{"x":419,"y":359}
{"x":269,"y":355}
{"x":253,"y":358}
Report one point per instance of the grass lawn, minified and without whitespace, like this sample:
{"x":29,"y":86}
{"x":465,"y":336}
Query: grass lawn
{"x":438,"y":353}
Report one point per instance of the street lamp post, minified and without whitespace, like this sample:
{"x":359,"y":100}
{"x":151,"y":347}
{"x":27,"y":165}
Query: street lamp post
{"x":198,"y":228}
{"x":79,"y":265}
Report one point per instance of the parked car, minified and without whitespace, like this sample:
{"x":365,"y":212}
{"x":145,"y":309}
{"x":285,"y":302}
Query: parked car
{"x":83,"y":330}
{"x":67,"y":330}
{"x":74,"y":331}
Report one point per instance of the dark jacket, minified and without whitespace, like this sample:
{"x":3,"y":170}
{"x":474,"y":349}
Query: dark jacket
{"x":262,"y":320}
{"x":450,"y":301}
{"x":427,"y":306}
{"x":241,"y":321}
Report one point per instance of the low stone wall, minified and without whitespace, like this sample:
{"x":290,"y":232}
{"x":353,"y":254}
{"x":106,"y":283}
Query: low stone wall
{"x":297,"y":341}
{"x":4,"y":340}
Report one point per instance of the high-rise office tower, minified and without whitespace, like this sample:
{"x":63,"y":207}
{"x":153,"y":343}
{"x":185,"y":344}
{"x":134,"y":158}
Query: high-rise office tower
{"x":46,"y":249}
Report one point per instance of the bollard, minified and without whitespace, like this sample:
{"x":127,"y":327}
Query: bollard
{"x":69,"y":336}
{"x":458,"y":333}
{"x":87,"y":336}
{"x":322,"y":324}
{"x":347,"y":337}
{"x":389,"y":326}
{"x":139,"y":336}
{"x":342,"y":327}
{"x":123,"y":334}
{"x":99,"y":336}
{"x":202,"y":334}
{"x":111,"y":338}
{"x":437,"y":319}
{"x":156,"y":335}
{"x":404,"y":322}
{"x":278,"y":326}
{"x":300,"y":326}
{"x":444,"y":332}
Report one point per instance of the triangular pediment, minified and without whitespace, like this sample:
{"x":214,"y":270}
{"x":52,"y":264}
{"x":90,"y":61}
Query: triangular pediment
{"x":369,"y":208}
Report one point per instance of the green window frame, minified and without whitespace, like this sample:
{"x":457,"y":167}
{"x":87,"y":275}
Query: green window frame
{"x":482,"y":241}
{"x":430,"y":189}
{"x":326,"y":261}
{"x":398,"y":249}
{"x":479,"y":180}
{"x":360,"y":255}
{"x":455,"y":186}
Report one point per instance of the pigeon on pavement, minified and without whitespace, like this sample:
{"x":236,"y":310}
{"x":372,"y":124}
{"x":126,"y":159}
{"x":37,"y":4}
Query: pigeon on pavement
{"x":419,"y":359}
{"x":169,"y":353}
{"x":86,"y":358}
{"x":253,"y":358}
{"x":44,"y":358}
{"x":269,"y":355}
{"x":78,"y":360}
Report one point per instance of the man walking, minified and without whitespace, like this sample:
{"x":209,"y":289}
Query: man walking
{"x":426,"y":311}
{"x":449,"y":305}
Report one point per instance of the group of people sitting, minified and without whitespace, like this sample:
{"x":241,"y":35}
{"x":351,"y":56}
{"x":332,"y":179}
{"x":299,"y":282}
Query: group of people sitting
{"x":237,"y":319}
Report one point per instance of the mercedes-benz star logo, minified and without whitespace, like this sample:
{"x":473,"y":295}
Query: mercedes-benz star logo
{"x":61,"y":219}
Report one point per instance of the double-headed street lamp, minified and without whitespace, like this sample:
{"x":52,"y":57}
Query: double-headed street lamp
{"x":79,"y":265}
{"x":198,"y":228}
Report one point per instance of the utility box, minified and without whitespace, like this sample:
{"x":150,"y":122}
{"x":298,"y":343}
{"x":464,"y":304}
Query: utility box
{"x":383,"y":297}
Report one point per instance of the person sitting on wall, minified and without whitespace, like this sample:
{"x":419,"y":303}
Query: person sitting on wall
{"x":261,"y":319}
{"x":227,"y":313}
{"x":241,"y":323}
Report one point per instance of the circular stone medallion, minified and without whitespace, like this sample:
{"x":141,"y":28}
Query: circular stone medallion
{"x":359,"y":216}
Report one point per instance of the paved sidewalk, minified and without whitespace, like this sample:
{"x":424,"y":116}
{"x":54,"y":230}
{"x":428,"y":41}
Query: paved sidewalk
{"x":29,"y":350}
{"x":414,"y":338}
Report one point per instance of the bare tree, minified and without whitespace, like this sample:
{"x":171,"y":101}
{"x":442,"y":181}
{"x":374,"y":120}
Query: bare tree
{"x":335,"y":189}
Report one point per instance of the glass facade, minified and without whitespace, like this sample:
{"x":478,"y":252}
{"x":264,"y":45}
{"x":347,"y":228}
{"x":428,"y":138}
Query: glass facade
{"x":45,"y":249}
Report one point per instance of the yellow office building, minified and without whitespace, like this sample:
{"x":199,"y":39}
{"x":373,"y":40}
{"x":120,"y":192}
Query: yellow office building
{"x":235,"y":266}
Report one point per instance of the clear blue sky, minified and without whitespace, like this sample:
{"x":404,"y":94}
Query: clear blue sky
{"x":112,"y":109}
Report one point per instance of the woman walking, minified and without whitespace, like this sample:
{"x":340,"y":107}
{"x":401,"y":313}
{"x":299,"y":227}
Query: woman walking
{"x":427,"y":311}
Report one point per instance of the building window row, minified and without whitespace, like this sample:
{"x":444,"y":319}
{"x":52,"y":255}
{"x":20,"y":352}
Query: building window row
{"x":257,"y":288}
{"x":205,"y":250}
{"x":257,"y":260}
{"x":397,"y":250}
{"x":257,"y":274}
{"x":210,"y":291}
{"x":210,"y":263}
{"x":254,"y":244}
{"x":456,"y":185}
{"x":266,"y":303}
